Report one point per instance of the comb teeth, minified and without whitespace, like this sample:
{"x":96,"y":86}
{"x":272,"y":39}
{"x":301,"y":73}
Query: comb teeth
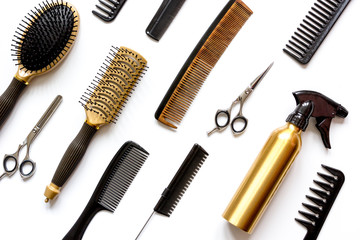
{"x":323,"y":202}
{"x":201,"y":61}
{"x":181,"y":181}
{"x":314,"y":28}
{"x":45,"y":36}
{"x":109,"y":9}
{"x":116,"y":80}
{"x":121,"y":176}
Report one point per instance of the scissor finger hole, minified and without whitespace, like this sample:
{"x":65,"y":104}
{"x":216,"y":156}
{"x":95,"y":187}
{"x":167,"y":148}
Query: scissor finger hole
{"x":222,"y":118}
{"x":10,"y":164}
{"x":27,"y":168}
{"x":239,"y":124}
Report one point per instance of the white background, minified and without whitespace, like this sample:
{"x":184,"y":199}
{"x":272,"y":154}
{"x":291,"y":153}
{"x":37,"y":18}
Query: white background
{"x":333,"y":71}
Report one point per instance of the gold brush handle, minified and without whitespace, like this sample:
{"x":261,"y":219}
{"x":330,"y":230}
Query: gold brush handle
{"x":9,"y":98}
{"x":70,"y":160}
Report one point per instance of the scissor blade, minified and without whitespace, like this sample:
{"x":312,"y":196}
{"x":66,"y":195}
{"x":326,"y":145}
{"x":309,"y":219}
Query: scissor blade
{"x":260,"y":77}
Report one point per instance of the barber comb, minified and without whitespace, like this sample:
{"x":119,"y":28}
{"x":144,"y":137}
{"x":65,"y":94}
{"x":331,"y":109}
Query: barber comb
{"x":112,"y":186}
{"x":108,"y":9}
{"x":103,"y":101}
{"x":314,"y":29}
{"x":201,"y":61}
{"x":323,"y":203}
{"x":180,"y":183}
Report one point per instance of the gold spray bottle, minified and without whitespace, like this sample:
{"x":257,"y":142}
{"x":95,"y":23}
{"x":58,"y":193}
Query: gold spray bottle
{"x":274,"y":160}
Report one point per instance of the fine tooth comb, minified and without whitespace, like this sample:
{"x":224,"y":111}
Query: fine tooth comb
{"x":314,"y":28}
{"x":112,"y":186}
{"x":201,"y":61}
{"x":103,"y":101}
{"x":163,"y":18}
{"x":328,"y":193}
{"x":180,"y":182}
{"x":111,"y":9}
{"x":41,"y":42}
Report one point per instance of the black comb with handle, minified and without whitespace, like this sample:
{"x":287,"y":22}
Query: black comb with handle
{"x":180,"y":182}
{"x":112,"y":186}
{"x":314,"y":28}
{"x":327,"y":196}
{"x":109,"y":9}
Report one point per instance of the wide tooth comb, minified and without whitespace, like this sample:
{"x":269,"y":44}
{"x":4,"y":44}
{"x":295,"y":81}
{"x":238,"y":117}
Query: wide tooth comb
{"x":201,"y":61}
{"x":109,"y":9}
{"x":103,"y":101}
{"x":112,"y":186}
{"x":323,"y":202}
{"x":314,"y":28}
{"x":180,"y":182}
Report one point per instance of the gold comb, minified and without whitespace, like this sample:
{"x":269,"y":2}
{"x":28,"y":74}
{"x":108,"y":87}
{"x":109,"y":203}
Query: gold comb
{"x":103,"y":101}
{"x":201,"y":61}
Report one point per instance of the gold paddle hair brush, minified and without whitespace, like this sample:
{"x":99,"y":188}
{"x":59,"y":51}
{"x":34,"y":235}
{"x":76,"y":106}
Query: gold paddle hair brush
{"x":102,"y":101}
{"x":41,"y":42}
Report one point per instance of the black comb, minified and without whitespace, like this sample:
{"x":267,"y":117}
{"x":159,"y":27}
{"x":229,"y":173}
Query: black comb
{"x":327,"y":196}
{"x":112,"y":186}
{"x":109,"y":9}
{"x":314,"y":28}
{"x":180,"y":182}
{"x":163,"y":18}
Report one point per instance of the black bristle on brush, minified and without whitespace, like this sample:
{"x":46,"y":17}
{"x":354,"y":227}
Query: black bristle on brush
{"x":323,"y":203}
{"x":112,"y":186}
{"x":41,"y":41}
{"x":180,"y":182}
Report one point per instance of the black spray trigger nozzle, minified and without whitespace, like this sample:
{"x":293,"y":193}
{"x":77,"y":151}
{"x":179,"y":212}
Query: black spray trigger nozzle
{"x":324,"y":110}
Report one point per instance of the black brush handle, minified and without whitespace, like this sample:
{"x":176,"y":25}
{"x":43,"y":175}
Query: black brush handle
{"x":73,"y":154}
{"x":78,"y":229}
{"x":9,"y":98}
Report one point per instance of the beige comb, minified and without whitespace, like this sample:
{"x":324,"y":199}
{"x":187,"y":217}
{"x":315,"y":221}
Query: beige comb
{"x":201,"y":61}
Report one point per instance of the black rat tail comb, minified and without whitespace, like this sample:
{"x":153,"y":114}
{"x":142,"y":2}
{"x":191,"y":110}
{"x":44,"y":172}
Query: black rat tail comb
{"x":314,"y":28}
{"x":180,"y":182}
{"x":327,"y":196}
{"x":41,"y":42}
{"x":112,"y":186}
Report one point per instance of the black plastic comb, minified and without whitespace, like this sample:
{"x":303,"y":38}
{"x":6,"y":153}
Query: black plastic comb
{"x":314,"y":28}
{"x":323,"y":203}
{"x":112,"y":186}
{"x":109,"y":9}
{"x":180,"y":182}
{"x":163,"y":18}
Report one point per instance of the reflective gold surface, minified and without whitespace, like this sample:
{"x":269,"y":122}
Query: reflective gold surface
{"x":264,"y":178}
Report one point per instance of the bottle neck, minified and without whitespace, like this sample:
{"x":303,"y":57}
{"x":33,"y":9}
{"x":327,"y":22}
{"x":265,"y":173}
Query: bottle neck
{"x":293,"y":127}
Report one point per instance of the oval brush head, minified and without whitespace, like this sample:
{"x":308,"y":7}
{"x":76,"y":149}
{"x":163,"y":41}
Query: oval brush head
{"x":111,"y":88}
{"x":44,"y":38}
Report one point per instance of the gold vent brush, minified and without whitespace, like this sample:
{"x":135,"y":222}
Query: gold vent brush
{"x":201,"y":61}
{"x":102,"y":102}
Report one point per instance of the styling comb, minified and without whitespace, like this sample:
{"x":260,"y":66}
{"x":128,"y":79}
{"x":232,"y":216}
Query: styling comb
{"x":180,"y":182}
{"x":41,"y":42}
{"x":103,"y":101}
{"x":314,"y":28}
{"x":201,"y":61}
{"x":109,"y":9}
{"x":112,"y":186}
{"x":163,"y":18}
{"x":323,"y":203}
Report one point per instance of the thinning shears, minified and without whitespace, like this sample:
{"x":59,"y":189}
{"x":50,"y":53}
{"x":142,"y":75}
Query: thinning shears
{"x":10,"y":162}
{"x":239,"y":117}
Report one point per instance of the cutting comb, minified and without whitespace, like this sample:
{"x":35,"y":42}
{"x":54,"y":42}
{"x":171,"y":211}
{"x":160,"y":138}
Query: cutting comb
{"x":102,"y":101}
{"x":180,"y":182}
{"x":201,"y":61}
{"x":328,"y":193}
{"x":314,"y":28}
{"x":109,"y":9}
{"x":112,"y":186}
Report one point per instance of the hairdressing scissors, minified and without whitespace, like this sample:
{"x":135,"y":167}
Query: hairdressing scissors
{"x":10,"y":162}
{"x":239,"y":117}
